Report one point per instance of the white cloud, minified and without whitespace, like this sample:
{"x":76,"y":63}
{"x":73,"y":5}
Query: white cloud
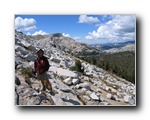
{"x":77,"y":38}
{"x":120,"y":27}
{"x":87,"y":19}
{"x":28,"y":33}
{"x":66,"y":35}
{"x":39,"y":33}
{"x":25,"y":24}
{"x":88,"y":37}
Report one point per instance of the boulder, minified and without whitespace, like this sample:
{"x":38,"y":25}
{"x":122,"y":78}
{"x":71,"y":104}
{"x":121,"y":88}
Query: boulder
{"x":63,"y":64}
{"x":110,"y":96}
{"x":25,"y":43}
{"x":75,"y":81}
{"x":94,"y":96}
{"x":66,"y":72}
{"x":129,"y":99}
{"x":89,"y":74}
{"x":101,"y":76}
{"x":68,"y":81}
{"x":70,"y":98}
{"x":55,"y":59}
{"x":65,"y":89}
{"x":32,"y":48}
{"x":30,"y":57}
{"x":58,"y":100}
{"x":86,"y":97}
{"x":107,"y":88}
{"x":84,"y":85}
{"x":21,"y":49}
{"x":31,"y":64}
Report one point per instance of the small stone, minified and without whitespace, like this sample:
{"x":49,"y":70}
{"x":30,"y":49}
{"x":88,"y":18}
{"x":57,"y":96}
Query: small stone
{"x":94,"y":96}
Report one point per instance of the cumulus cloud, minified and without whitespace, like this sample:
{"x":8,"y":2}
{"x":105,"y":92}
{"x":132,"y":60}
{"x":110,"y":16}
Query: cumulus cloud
{"x":87,"y":19}
{"x":39,"y":33}
{"x":27,"y":24}
{"x":66,"y":35}
{"x":28,"y":33}
{"x":77,"y":38}
{"x":120,"y":27}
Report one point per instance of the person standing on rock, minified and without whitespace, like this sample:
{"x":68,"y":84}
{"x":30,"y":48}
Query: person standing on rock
{"x":41,"y":66}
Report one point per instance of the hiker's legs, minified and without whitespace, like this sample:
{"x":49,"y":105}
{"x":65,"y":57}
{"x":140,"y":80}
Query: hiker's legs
{"x":48,"y":85}
{"x":43,"y":84}
{"x":42,"y":78}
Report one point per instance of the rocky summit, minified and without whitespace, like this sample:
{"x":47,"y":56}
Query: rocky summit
{"x":92,"y":87}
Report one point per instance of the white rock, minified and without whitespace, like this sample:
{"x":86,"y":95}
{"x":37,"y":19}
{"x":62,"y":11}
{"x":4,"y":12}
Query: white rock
{"x":68,"y":81}
{"x":114,"y":97}
{"x":21,"y":49}
{"x":31,"y":64}
{"x":94,"y":96}
{"x":108,"y":88}
{"x":75,"y":81}
{"x":86,"y":78}
{"x":55,"y":59}
{"x":30,"y":57}
{"x":89,"y":92}
{"x":34,"y":101}
{"x":89,"y":74}
{"x":109,"y":95}
{"x":99,"y":83}
{"x":113,"y":90}
{"x":58,"y":100}
{"x":63,"y":64}
{"x":119,"y":94}
{"x":32,"y":48}
{"x":66,"y":72}
{"x":77,"y":86}
{"x":104,"y":103}
{"x":70,"y":99}
{"x":97,"y":69}
{"x":129,"y":99}
{"x":86,"y":97}
{"x":85,"y":85}
{"x":25,"y":43}
{"x":101,"y":77}
{"x":65,"y":89}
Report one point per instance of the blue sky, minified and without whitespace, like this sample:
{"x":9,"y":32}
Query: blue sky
{"x":90,"y":29}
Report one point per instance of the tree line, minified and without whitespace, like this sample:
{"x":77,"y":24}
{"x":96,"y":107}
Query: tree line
{"x":121,"y":64}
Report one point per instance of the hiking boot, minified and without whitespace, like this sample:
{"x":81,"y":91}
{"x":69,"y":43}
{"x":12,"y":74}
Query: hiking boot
{"x":52,"y":93}
{"x":51,"y":89}
{"x":44,"y":88}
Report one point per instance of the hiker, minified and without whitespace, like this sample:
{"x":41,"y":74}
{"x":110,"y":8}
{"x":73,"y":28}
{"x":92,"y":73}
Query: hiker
{"x":41,"y":66}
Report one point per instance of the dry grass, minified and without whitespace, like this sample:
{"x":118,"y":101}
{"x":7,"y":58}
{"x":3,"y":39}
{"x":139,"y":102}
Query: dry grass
{"x":26,"y":72}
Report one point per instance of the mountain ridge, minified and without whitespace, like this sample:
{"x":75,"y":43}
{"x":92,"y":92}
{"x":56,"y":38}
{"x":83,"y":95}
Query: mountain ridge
{"x":66,"y":44}
{"x":116,"y":47}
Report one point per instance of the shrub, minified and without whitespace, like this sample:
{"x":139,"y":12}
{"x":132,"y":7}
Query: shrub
{"x":77,"y":66}
{"x":26,"y":71}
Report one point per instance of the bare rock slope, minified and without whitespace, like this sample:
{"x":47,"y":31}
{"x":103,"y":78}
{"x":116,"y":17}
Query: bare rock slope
{"x":94,"y":87}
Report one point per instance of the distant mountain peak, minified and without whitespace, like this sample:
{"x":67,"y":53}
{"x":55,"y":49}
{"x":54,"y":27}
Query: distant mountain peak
{"x":116,"y":47}
{"x":57,"y":35}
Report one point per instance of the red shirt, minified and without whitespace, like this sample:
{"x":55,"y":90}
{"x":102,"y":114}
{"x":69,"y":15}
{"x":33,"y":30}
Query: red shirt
{"x":41,"y":65}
